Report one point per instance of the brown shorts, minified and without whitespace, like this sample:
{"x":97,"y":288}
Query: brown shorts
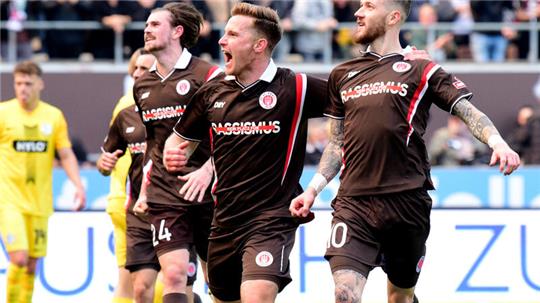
{"x":255,"y":252}
{"x":176,"y":227}
{"x":387,"y":230}
{"x":141,"y":253}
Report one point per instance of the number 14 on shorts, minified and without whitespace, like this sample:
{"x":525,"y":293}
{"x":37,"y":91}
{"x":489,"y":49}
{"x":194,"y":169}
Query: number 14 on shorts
{"x":163,"y":234}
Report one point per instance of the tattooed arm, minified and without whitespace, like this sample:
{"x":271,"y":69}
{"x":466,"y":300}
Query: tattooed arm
{"x":483,"y":129}
{"x":329,"y":166}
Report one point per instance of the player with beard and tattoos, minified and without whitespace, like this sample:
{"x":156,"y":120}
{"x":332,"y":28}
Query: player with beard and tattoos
{"x":379,"y":108}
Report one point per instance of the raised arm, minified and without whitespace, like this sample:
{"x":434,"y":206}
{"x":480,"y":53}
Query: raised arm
{"x":329,"y":166}
{"x":483,"y":129}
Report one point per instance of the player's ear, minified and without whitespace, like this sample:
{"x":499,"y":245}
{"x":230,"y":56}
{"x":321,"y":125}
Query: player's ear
{"x":178,"y":31}
{"x":394,"y":17}
{"x":260,"y":45}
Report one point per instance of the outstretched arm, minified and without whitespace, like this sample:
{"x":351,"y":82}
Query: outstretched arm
{"x":483,"y":129}
{"x":329,"y":166}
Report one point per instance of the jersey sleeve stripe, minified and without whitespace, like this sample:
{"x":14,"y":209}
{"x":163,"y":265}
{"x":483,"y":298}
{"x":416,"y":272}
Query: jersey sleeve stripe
{"x":430,"y":69}
{"x":301,"y":85}
{"x":213,"y":72}
{"x":466,"y":96}
{"x":334,"y":117}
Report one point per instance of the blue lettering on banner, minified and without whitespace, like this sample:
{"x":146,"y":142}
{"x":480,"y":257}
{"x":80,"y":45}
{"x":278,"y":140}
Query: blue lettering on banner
{"x":112,"y":250}
{"x":304,"y":258}
{"x":524,"y":271}
{"x":89,"y":275}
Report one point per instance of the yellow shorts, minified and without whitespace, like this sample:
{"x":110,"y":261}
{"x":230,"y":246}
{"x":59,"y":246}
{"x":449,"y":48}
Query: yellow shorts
{"x":24,"y":232}
{"x":119,"y":231}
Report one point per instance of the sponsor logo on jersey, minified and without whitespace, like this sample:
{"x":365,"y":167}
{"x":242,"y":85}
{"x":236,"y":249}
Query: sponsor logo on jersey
{"x":264,"y":259}
{"x":163,"y":113}
{"x":267,"y":100}
{"x":182,"y":87}
{"x":401,"y":67}
{"x":376,"y":88}
{"x":145,"y":95}
{"x":30,"y":146}
{"x":352,"y":74}
{"x":247,"y":128}
{"x":219,"y":104}
{"x":137,"y":148}
{"x":458,"y":84}
{"x":130,"y":129}
{"x":46,"y":129}
{"x":192,"y":269}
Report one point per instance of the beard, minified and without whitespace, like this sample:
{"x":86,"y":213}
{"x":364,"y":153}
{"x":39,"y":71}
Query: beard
{"x":370,"y":33}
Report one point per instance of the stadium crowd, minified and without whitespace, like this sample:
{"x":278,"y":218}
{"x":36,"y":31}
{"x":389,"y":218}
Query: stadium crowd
{"x":307,"y":25}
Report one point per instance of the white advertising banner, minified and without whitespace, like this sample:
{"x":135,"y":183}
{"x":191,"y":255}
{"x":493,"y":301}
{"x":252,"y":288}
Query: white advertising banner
{"x":474,"y":256}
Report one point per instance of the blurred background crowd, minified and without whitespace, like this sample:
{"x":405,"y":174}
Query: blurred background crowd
{"x":315,"y":30}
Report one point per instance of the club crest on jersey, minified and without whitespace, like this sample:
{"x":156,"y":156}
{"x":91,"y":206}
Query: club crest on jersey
{"x":192,"y":269}
{"x":182,"y":87}
{"x":458,"y":84}
{"x":267,"y":100}
{"x":46,"y":129}
{"x":264,"y":259}
{"x":401,"y":67}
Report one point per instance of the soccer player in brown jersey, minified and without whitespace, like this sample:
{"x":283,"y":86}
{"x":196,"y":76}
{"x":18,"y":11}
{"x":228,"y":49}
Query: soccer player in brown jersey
{"x":161,"y":96}
{"x":379,"y":105}
{"x":257,"y":116}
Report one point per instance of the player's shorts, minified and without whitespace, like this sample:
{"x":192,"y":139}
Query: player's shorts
{"x":388,"y":230}
{"x":119,"y":232}
{"x":255,"y":252}
{"x":176,"y":227}
{"x":141,"y":253}
{"x":24,"y":232}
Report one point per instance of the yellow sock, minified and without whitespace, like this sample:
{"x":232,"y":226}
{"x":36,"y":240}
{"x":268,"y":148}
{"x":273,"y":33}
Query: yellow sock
{"x":121,"y":300}
{"x":14,"y":282}
{"x":158,"y":291}
{"x":27,"y":287}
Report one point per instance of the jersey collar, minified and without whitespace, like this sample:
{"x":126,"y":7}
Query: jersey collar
{"x":267,"y":76}
{"x":182,"y":62}
{"x":368,"y":51}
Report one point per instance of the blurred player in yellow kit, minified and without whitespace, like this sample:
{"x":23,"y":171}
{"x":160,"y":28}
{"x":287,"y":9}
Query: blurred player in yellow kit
{"x":30,"y":133}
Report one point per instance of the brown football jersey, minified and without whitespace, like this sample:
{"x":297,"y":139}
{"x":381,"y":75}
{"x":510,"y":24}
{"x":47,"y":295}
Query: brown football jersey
{"x":161,"y":100}
{"x":385,"y":104}
{"x":258,"y":138}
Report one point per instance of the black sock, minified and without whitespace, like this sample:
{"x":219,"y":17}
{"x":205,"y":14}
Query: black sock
{"x":175,"y":297}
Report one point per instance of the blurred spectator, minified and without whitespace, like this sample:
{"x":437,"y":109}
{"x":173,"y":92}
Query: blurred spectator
{"x":316,"y":140}
{"x":114,"y":14}
{"x":463,"y":24}
{"x":13,"y":13}
{"x":518,"y":138}
{"x":442,"y":40}
{"x":529,"y":136}
{"x":342,"y":45}
{"x":490,"y":45}
{"x":65,"y":44}
{"x":284,"y":9}
{"x":134,"y":38}
{"x":525,"y":12}
{"x":207,"y":46}
{"x":314,"y":21}
{"x":453,"y":145}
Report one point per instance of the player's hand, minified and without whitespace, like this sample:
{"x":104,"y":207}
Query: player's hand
{"x":80,"y":199}
{"x":108,"y":160}
{"x":196,"y":184}
{"x":301,"y":205}
{"x":417,"y":54}
{"x":175,"y":158}
{"x":141,"y":207}
{"x":507,"y":158}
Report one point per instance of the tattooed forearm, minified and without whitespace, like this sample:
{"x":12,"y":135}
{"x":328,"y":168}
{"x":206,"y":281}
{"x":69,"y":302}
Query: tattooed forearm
{"x":331,"y":158}
{"x":349,"y":286}
{"x":479,"y":124}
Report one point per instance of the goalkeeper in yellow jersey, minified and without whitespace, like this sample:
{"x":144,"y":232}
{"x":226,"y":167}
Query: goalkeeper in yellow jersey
{"x":31,"y":130}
